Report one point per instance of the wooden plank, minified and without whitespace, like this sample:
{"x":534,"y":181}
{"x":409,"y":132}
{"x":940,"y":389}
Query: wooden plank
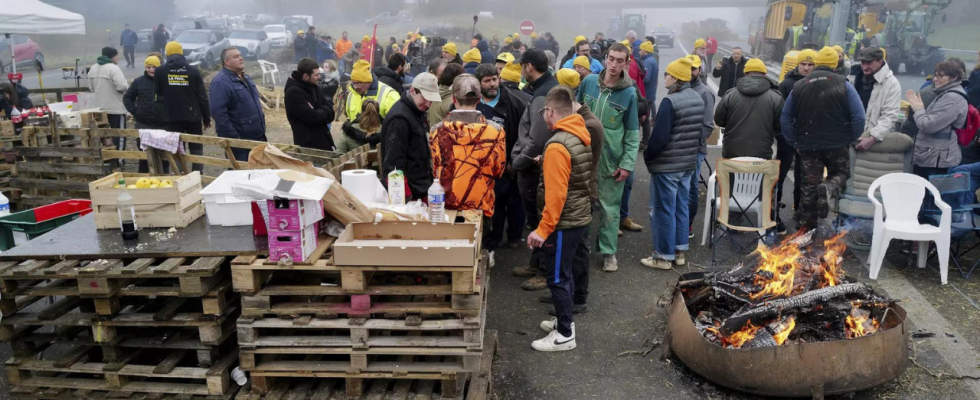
{"x":30,"y":267}
{"x":71,"y":357}
{"x":121,"y":362}
{"x":61,"y":267}
{"x":481,"y":382}
{"x":170,"y":309}
{"x":108,"y":154}
{"x":205,"y":264}
{"x":59,"y":308}
{"x":169,"y":265}
{"x":63,"y":168}
{"x":138,"y":266}
{"x":168,"y":364}
{"x":100,"y":266}
{"x":58,"y":152}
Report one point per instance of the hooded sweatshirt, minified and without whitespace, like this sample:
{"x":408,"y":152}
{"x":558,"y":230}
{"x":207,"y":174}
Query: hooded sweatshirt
{"x":486,"y":57}
{"x":616,"y":106}
{"x":750,"y":115}
{"x":566,"y":196}
{"x":107,"y":83}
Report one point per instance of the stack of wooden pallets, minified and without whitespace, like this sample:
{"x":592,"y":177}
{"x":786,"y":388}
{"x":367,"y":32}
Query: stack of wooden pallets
{"x":119,"y":328}
{"x":381,"y":331}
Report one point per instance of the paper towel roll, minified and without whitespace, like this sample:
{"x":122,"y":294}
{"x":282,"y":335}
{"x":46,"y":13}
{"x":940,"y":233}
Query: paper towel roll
{"x":363,"y":183}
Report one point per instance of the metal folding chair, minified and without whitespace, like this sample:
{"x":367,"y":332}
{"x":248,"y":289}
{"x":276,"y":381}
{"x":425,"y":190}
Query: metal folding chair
{"x":955,"y":190}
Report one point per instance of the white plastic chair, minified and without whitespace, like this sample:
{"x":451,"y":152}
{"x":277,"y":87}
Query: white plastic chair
{"x":745,"y":189}
{"x":902,"y":195}
{"x":270,"y":69}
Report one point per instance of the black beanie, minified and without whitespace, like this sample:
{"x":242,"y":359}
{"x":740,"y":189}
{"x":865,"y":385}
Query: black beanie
{"x":109,"y":51}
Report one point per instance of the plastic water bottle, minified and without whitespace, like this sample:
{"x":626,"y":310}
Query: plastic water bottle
{"x":127,"y":213}
{"x":437,"y":202}
{"x":4,"y":205}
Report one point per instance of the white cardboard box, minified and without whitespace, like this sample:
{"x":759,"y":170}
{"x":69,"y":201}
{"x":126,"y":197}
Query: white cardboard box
{"x":407,"y":244}
{"x":223,"y":208}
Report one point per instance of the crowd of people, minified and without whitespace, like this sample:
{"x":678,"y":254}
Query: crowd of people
{"x":552,"y":143}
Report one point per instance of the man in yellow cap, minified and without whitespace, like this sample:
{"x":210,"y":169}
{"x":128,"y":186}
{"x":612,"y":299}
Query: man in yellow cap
{"x":569,"y":78}
{"x":841,"y":58}
{"x":301,"y":48}
{"x":822,"y":117}
{"x":699,"y":85}
{"x":450,"y":54}
{"x":671,"y":157}
{"x":510,"y":77}
{"x":652,"y":68}
{"x":750,"y":114}
{"x":581,"y":65}
{"x":184,"y":97}
{"x":507,"y":47}
{"x":471,"y":58}
{"x":701,"y":49}
{"x":785,"y":153}
{"x":502,"y":60}
{"x":610,"y":95}
{"x":140,"y":100}
{"x":582,"y":49}
{"x":365,"y":86}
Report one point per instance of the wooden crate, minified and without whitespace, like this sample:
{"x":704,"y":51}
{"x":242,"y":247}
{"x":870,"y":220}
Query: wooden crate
{"x":401,"y":386}
{"x":82,"y":367}
{"x":94,"y":118}
{"x":177,"y":206}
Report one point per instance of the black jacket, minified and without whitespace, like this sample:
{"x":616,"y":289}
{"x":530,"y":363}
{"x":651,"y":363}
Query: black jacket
{"x":24,"y":95}
{"x":405,"y":146}
{"x":786,"y":86}
{"x":301,"y":47}
{"x":750,"y":115}
{"x":160,"y":39}
{"x":141,"y":101}
{"x":360,"y":136}
{"x":820,"y":107}
{"x":183,"y":91}
{"x":730,"y":73}
{"x":308,"y":112}
{"x":311,"y":45}
{"x":511,"y":106}
{"x":390,"y":78}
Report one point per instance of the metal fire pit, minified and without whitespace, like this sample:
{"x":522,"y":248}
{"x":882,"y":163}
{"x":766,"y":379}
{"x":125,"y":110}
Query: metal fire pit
{"x":794,"y":370}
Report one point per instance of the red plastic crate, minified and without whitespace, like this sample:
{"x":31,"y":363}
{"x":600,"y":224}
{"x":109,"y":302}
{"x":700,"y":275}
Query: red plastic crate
{"x":62,"y":208}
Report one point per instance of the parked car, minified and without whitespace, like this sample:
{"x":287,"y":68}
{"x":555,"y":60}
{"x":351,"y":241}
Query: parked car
{"x":664,"y":37}
{"x":265,"y":19}
{"x":202,"y":45}
{"x":253,"y":43}
{"x":295,"y":24}
{"x":220,"y":25}
{"x":187,"y":23}
{"x":146,"y":39}
{"x":278,"y":35}
{"x":26,"y":51}
{"x":384,"y":18}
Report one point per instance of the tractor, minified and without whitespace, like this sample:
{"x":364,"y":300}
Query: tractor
{"x":906,"y":35}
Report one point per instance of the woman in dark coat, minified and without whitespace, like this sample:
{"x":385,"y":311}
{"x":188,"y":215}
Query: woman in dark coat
{"x":141,"y":101}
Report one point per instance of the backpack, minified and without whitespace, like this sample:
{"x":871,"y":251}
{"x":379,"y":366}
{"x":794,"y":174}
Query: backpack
{"x":968,"y":134}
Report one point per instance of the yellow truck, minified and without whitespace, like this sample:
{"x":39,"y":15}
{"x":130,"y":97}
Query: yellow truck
{"x":794,"y":25}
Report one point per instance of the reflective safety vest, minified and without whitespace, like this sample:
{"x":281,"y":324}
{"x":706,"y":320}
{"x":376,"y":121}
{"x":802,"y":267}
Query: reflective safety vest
{"x":383,"y":94}
{"x":797,"y":31}
{"x":852,"y":47}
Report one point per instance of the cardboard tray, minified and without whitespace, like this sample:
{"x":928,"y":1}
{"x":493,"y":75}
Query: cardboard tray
{"x":355,"y":248}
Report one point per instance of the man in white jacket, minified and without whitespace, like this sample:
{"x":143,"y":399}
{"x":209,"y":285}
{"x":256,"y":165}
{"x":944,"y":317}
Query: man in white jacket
{"x":108,"y":84}
{"x":881,"y":94}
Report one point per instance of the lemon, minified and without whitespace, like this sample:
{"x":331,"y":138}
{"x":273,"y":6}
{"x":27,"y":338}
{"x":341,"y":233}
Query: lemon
{"x":154,"y":181}
{"x":131,"y":187}
{"x":154,"y":186}
{"x":142,"y":183}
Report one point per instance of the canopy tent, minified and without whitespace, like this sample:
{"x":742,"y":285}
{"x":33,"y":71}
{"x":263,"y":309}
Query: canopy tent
{"x":32,"y":17}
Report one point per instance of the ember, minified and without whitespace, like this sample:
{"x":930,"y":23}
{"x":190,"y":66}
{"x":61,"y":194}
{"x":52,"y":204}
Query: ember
{"x":791,"y":293}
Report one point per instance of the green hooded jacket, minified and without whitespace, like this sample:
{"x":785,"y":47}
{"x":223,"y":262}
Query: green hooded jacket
{"x":616,"y":107}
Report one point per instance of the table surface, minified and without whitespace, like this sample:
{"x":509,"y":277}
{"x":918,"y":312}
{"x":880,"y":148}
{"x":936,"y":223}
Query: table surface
{"x":80,"y":240}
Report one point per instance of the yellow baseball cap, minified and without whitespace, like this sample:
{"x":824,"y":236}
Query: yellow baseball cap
{"x":694,"y":60}
{"x":700,"y":43}
{"x":579,"y":38}
{"x":505,"y":57}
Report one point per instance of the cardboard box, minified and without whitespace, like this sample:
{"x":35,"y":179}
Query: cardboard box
{"x":7,"y":128}
{"x":175,"y":206}
{"x":407,"y":244}
{"x":293,"y":246}
{"x":293,"y":215}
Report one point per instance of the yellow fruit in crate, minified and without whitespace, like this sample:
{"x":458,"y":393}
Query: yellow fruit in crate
{"x":154,"y":186}
{"x":154,"y":181}
{"x":142,"y":183}
{"x":131,"y":187}
{"x":166,"y":185}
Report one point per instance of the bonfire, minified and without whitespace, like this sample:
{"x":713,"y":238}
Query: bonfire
{"x":795,"y":292}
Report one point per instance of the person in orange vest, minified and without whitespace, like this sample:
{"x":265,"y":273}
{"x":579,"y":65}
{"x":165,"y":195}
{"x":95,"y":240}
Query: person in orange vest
{"x":343,"y":45}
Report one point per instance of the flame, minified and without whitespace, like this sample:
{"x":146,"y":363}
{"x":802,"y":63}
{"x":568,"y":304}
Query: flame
{"x":784,"y":330}
{"x":859,"y":324}
{"x":831,"y":261}
{"x":738,"y":339}
{"x":780,"y":269}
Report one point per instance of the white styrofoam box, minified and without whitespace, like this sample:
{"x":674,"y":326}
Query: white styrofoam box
{"x":222,"y":207}
{"x":71,"y":120}
{"x":62,"y":107}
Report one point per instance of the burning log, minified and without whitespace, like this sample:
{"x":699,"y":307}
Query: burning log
{"x":769,"y":310}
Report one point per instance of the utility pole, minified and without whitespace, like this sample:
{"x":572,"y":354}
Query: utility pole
{"x":838,"y":24}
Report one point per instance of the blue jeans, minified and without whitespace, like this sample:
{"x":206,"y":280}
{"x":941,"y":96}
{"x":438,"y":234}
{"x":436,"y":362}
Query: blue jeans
{"x":692,"y":204}
{"x":669,"y":220}
{"x":624,"y":206}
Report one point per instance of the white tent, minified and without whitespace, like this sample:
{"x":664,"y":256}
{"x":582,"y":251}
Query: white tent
{"x":32,"y":17}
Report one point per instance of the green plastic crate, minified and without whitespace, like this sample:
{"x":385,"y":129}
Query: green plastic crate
{"x":20,"y":227}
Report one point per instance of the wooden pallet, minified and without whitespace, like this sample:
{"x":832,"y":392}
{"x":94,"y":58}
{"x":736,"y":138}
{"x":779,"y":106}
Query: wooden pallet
{"x":82,"y":367}
{"x":326,"y":290}
{"x":458,"y":386}
{"x":175,"y":276}
{"x":163,"y":313}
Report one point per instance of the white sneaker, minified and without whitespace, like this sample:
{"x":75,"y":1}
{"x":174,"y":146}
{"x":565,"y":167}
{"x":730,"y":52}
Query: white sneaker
{"x":609,"y":263}
{"x":492,"y":261}
{"x":656,"y":263}
{"x":551,"y":324}
{"x":554,"y":342}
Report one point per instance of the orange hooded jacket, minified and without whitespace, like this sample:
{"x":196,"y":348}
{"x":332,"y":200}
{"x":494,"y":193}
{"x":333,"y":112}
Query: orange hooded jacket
{"x":557,"y":170}
{"x":468,"y":154}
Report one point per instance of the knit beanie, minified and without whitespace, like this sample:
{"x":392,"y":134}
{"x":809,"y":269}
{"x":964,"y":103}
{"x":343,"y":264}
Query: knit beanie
{"x":366,"y":38}
{"x":534,"y":35}
{"x":680,"y":69}
{"x":508,"y":40}
{"x":152,"y":60}
{"x":472,"y":55}
{"x":827,"y":57}
{"x":807,"y":55}
{"x":579,"y":38}
{"x":628,"y":45}
{"x":511,"y":73}
{"x":647,"y":47}
{"x":568,"y":77}
{"x":838,"y":49}
{"x":755,"y":65}
{"x":109,"y":51}
{"x":361,"y":72}
{"x":700,"y":43}
{"x":449,"y":48}
{"x":173,"y":48}
{"x":582,"y":61}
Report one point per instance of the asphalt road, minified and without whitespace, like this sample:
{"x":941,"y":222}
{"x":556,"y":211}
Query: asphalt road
{"x":618,"y":354}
